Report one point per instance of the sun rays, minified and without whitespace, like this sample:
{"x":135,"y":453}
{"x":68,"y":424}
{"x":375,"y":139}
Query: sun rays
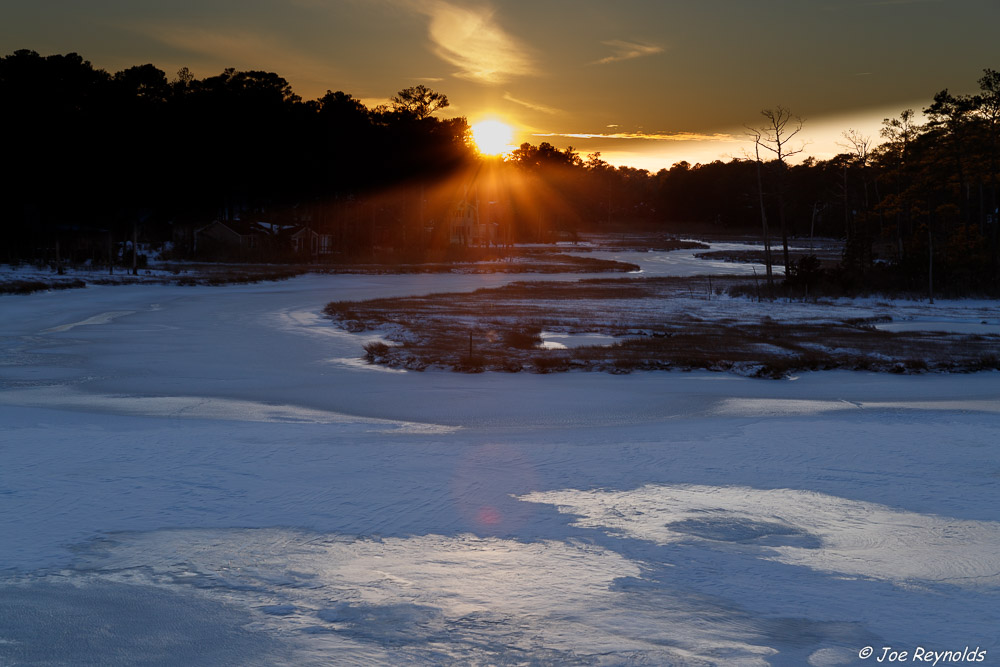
{"x":493,"y":137}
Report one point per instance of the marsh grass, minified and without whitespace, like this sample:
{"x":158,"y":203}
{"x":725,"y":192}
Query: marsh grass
{"x":32,"y":286}
{"x":499,"y":329}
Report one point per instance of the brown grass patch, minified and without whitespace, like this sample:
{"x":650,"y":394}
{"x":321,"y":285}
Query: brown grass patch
{"x":499,"y":329}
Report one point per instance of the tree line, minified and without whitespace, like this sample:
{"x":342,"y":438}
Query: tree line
{"x":100,"y":154}
{"x":89,"y":152}
{"x":916,"y":207}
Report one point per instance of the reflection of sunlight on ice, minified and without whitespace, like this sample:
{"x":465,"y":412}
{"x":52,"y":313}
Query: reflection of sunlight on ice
{"x":464,"y":595}
{"x":804,"y":528}
{"x":436,"y":599}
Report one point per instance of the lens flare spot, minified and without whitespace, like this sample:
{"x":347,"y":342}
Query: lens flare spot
{"x":489,"y":516}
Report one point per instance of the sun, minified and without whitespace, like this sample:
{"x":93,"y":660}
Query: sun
{"x":493,"y":137}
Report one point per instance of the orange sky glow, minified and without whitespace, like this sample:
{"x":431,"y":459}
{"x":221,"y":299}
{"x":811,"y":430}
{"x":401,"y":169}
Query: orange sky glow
{"x":645,"y":84}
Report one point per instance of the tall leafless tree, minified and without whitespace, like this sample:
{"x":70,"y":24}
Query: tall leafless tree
{"x":768,"y":261}
{"x":775,"y":135}
{"x":859,"y":151}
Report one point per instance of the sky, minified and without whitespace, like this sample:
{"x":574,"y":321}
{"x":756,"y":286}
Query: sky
{"x":646,"y":83}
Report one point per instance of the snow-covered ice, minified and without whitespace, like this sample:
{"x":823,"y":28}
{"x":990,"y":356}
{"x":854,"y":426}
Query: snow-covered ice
{"x":207,"y":475}
{"x":684,"y":262}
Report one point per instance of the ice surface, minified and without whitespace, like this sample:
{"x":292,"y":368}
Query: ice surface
{"x":684,"y":262}
{"x":101,"y":318}
{"x":960,"y":326}
{"x":178,"y":463}
{"x":199,"y":407}
{"x":97,"y":622}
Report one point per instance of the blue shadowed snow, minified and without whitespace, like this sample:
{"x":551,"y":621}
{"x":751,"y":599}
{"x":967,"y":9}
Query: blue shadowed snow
{"x":186,"y":478}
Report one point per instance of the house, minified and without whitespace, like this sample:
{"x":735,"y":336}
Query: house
{"x":305,"y":241}
{"x":465,"y":227}
{"x":309,"y":241}
{"x":231,"y":239}
{"x":237,"y":239}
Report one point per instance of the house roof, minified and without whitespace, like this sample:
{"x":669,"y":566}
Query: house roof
{"x":247,"y":228}
{"x":238,"y":227}
{"x":304,"y":231}
{"x":272,"y":227}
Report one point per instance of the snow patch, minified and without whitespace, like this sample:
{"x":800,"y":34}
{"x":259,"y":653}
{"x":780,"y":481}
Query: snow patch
{"x":803,"y":528}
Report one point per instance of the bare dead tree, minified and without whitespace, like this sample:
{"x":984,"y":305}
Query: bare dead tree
{"x":768,"y":262}
{"x":859,"y":149}
{"x":775,"y":136}
{"x":858,"y":145}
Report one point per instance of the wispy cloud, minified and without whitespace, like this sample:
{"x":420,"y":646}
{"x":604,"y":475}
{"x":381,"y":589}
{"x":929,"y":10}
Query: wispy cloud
{"x":627,"y":51}
{"x":647,"y":136}
{"x":901,"y":2}
{"x":470,"y":38}
{"x":534,"y":106}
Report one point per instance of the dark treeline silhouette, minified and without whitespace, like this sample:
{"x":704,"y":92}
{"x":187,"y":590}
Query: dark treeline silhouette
{"x":917,"y":211}
{"x":237,"y":166}
{"x":88,"y":155}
